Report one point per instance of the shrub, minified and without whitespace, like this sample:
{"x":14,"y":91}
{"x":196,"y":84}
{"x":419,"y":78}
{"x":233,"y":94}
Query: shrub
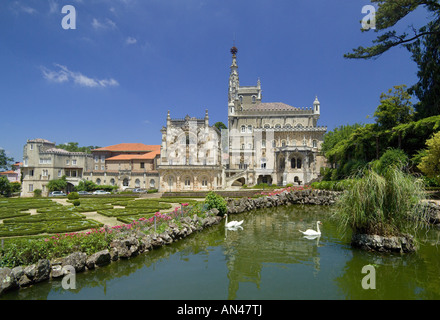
{"x":392,"y":158}
{"x":37,"y":193}
{"x":73,"y":196}
{"x":214,"y":200}
{"x":387,"y":205}
{"x":76,"y":203}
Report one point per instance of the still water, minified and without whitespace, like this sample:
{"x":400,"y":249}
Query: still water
{"x":268,"y":259}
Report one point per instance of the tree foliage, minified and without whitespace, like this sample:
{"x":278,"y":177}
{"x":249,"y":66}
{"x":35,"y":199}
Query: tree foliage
{"x":423,"y":44}
{"x":5,"y":186}
{"x":73,"y":147}
{"x":58,"y":184}
{"x":5,"y":161}
{"x":430,"y":163}
{"x":220,"y":125}
{"x":395,"y":108}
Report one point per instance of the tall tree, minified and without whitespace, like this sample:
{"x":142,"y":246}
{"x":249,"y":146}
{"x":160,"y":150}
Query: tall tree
{"x":395,"y":108}
{"x":423,"y":43}
{"x":5,"y":161}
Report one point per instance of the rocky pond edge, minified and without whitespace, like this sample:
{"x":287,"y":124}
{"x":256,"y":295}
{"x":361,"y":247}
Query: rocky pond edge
{"x":139,"y":243}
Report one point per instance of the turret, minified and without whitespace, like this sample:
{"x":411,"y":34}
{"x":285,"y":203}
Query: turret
{"x":316,"y":106}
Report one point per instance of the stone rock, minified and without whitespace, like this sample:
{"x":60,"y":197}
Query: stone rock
{"x":114,"y":255}
{"x":402,"y":244}
{"x":7,"y":280}
{"x":57,"y":271}
{"x":77,"y":260}
{"x":30,"y":271}
{"x":42,"y":270}
{"x":126,"y":248}
{"x":98,"y":259}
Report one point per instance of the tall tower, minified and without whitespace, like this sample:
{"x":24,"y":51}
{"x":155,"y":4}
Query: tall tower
{"x":234,"y":83}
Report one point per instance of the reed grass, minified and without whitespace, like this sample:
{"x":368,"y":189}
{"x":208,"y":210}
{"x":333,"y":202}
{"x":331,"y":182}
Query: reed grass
{"x":388,"y":204}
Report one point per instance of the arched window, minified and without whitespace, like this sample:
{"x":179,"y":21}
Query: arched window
{"x":288,"y":126}
{"x":187,"y":182}
{"x":152,"y":183}
{"x":267,"y":126}
{"x":283,"y":143}
{"x":249,"y":129}
{"x":98,"y":181}
{"x":125,"y":182}
{"x":204,"y":182}
{"x":137,"y":183}
{"x":315,"y":144}
{"x":278,"y":126}
{"x":282,"y":164}
{"x":298,"y":163}
{"x":112,"y":181}
{"x":293,"y":163}
{"x":243,"y":129}
{"x":254,"y":99}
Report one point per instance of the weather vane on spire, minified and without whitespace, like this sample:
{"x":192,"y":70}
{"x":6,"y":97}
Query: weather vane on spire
{"x":234,"y":49}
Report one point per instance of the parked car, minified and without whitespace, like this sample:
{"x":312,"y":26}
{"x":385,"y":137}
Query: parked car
{"x":83,"y":193}
{"x":101,"y":192}
{"x":139,"y":190}
{"x":57,"y":194}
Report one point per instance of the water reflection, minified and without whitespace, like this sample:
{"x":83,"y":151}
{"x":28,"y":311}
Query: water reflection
{"x":267,"y":258}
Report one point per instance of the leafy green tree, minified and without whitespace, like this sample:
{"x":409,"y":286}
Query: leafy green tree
{"x":86,"y":185}
{"x":220,"y":125}
{"x":430,"y":163}
{"x":423,"y":43}
{"x":73,"y":147}
{"x":5,"y":162}
{"x":58,"y":184}
{"x":395,"y":108}
{"x":5,"y":186}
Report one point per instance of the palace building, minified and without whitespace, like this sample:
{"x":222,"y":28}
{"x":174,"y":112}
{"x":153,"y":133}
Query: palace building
{"x":266,"y":142}
{"x":270,"y":142}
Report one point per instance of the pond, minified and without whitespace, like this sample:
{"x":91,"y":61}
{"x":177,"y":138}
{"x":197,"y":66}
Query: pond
{"x":267,"y":259}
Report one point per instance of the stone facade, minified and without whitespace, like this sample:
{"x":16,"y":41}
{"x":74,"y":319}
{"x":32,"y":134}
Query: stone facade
{"x":273,"y":143}
{"x":190,"y":155}
{"x":43,"y":162}
{"x":126,"y":165}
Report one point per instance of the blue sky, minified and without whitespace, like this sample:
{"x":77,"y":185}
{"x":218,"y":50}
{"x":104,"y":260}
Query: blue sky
{"x":113,"y":78}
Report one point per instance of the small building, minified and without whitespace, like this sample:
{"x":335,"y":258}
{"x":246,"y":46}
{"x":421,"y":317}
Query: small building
{"x":13,"y":175}
{"x":43,"y":162}
{"x":125,"y":165}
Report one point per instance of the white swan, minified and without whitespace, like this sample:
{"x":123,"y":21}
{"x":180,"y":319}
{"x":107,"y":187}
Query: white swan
{"x":311,"y":232}
{"x":232,"y":224}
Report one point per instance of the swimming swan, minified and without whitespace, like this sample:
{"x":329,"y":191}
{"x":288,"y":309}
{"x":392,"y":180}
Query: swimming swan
{"x":311,"y":232}
{"x":232,"y":224}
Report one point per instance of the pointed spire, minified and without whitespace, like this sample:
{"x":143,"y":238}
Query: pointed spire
{"x":316,"y":100}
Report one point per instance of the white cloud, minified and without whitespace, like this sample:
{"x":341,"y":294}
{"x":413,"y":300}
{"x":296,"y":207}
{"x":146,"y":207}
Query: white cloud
{"x":131,"y":40}
{"x":17,"y":7}
{"x":53,"y":7}
{"x":107,"y":24}
{"x":63,"y":74}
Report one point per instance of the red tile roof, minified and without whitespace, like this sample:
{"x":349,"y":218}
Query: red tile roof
{"x":8,"y":172}
{"x":130,"y":147}
{"x":146,"y":156}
